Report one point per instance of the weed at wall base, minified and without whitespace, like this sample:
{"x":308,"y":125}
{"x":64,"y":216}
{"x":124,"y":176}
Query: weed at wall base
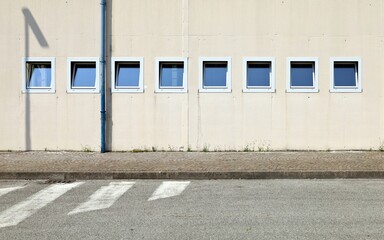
{"x":86,"y":149}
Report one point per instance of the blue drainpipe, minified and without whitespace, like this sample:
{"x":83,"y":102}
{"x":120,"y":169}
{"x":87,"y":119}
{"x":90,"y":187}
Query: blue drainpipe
{"x":102,"y":75}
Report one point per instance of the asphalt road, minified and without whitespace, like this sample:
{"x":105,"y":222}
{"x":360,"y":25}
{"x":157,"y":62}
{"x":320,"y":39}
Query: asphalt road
{"x":229,"y":209}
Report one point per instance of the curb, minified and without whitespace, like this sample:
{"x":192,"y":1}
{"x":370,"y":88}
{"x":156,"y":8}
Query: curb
{"x":193,"y":175}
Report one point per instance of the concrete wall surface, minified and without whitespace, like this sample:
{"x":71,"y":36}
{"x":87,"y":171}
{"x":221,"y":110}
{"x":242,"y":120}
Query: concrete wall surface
{"x":192,"y":29}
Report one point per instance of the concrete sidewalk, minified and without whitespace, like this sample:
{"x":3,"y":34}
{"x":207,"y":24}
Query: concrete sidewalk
{"x":191,"y":165}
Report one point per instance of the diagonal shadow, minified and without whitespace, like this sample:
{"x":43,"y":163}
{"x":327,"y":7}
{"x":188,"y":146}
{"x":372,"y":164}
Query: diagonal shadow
{"x":30,"y":23}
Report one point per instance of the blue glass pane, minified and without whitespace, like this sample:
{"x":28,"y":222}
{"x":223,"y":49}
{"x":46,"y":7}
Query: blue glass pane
{"x":171,"y":74}
{"x":344,"y":75}
{"x":215,"y":74}
{"x":85,"y":75}
{"x":302,"y":74}
{"x":40,"y":75}
{"x":128,"y":75}
{"x":258,"y":74}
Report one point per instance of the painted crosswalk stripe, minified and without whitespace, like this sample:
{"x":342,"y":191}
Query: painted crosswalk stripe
{"x":23,"y":210}
{"x":104,"y":197}
{"x":4,"y":191}
{"x":169,"y":189}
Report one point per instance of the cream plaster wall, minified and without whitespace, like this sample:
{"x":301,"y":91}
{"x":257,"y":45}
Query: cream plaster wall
{"x":193,"y":29}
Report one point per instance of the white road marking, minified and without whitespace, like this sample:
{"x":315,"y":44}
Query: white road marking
{"x":23,"y":210}
{"x":104,"y":197}
{"x":169,"y":189}
{"x":4,"y":191}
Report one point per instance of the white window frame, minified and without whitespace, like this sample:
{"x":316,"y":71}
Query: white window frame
{"x":271,"y":87}
{"x":117,"y":60}
{"x":346,"y":89}
{"x":304,"y":89}
{"x":25,"y":88}
{"x":183,"y":88}
{"x":96,"y":88}
{"x":228,"y":87}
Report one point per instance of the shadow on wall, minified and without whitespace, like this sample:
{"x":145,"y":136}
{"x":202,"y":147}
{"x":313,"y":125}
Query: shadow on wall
{"x":108,"y":94}
{"x":30,"y":23}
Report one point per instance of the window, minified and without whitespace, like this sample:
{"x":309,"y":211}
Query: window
{"x":127,"y":75}
{"x":259,"y":75}
{"x":302,"y":75}
{"x":171,"y":75}
{"x":38,"y":75}
{"x":215,"y":74}
{"x":83,"y":75}
{"x":346,"y":75}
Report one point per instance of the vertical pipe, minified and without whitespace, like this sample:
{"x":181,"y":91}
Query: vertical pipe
{"x":102,"y":74}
